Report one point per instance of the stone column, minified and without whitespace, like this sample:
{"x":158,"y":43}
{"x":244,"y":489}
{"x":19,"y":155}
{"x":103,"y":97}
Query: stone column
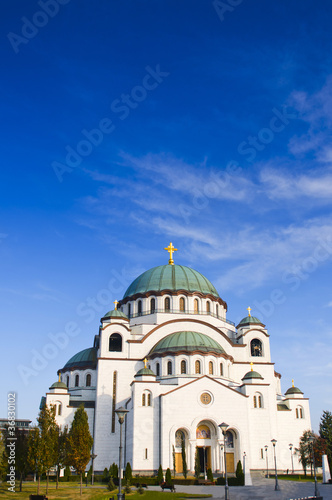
{"x":191,"y":465}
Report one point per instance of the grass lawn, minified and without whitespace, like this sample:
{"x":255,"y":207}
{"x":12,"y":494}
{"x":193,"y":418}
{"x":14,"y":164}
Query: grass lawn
{"x":96,"y":493}
{"x":297,"y":477}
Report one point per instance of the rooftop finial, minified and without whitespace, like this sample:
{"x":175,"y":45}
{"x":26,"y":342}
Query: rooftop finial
{"x":145,"y":362}
{"x":170,"y":249}
{"x":59,"y":377}
{"x":116,"y":304}
{"x":249,"y":309}
{"x":292,"y":382}
{"x":251,"y":365}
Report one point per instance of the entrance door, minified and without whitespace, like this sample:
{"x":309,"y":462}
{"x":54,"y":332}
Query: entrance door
{"x":204,"y":460}
{"x":230,"y":462}
{"x":178,"y":463}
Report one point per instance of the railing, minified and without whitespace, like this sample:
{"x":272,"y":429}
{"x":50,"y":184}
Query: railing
{"x":175,"y":311}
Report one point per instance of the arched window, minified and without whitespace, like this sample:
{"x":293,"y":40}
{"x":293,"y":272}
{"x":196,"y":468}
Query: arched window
{"x":149,"y":398}
{"x":210,"y":368}
{"x":115,"y":342}
{"x":139,"y":308}
{"x":152,"y":306}
{"x":67,"y":381}
{"x":221,"y":369}
{"x":196,"y":306}
{"x":60,"y":409}
{"x":208,"y":307}
{"x":217,"y":311}
{"x":169,"y":368}
{"x":258,"y":400}
{"x":255,"y":402}
{"x":88,"y":380}
{"x":146,"y":398}
{"x":158,"y":370}
{"x":183,"y":366}
{"x":256,"y":347}
{"x":299,"y":412}
{"x":77,"y":380}
{"x":197,"y":366}
{"x":129,"y":310}
{"x":229,"y":439}
{"x":143,"y":399}
{"x":182,"y":304}
{"x":167,"y":304}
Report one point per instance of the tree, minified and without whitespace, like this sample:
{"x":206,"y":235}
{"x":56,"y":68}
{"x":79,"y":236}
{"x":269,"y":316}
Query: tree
{"x":160,"y":475}
{"x":79,"y":442}
{"x":197,"y":464}
{"x":49,"y":434}
{"x":320,"y":448}
{"x":239,"y":472}
{"x":21,"y":454}
{"x":128,"y":474}
{"x":325,"y":431}
{"x":61,"y":451}
{"x":173,"y":455}
{"x":304,"y":450}
{"x":34,"y":457}
{"x":209,"y":475}
{"x":184,"y":460}
{"x":113,"y":471}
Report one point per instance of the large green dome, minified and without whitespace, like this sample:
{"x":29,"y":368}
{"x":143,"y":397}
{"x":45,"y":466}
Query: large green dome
{"x":82,"y":360}
{"x":170,"y":277}
{"x":188,"y":342}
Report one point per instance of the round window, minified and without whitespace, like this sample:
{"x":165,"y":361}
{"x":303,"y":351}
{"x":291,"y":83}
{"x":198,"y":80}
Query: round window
{"x":206,"y":398}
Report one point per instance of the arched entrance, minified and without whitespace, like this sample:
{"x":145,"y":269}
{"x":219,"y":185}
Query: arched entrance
{"x":181,"y":440}
{"x":205,"y":442}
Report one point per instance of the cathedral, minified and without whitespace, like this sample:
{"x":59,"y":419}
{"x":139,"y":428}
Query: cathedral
{"x":169,"y":355}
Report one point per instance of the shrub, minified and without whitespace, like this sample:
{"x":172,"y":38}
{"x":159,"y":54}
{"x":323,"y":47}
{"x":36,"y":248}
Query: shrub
{"x":105,"y":475}
{"x":111,"y":486}
{"x":168,"y":478}
{"x":239,"y":472}
{"x":127,"y":488}
{"x":128,"y":474}
{"x":67,"y":473}
{"x":160,"y":475}
{"x":140,"y":490}
{"x":210,"y":475}
{"x":232,"y":481}
{"x":114,"y":470}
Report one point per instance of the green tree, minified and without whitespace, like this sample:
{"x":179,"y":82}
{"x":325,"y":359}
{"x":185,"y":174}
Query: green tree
{"x":61,"y":451}
{"x":113,"y":471}
{"x":34,"y":456}
{"x":105,"y":476}
{"x":320,"y":448}
{"x":184,"y":460}
{"x":49,"y":435}
{"x":160,"y":475}
{"x":239,"y":472}
{"x":79,"y":443}
{"x":325,"y":431}
{"x":168,"y":477}
{"x":304,"y":450}
{"x":209,"y":475}
{"x":128,"y":474}
{"x":197,"y":464}
{"x":173,"y":455}
{"x":67,"y":473}
{"x":21,"y":451}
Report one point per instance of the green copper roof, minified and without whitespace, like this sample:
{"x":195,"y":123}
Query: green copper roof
{"x":252,"y":374}
{"x":186,"y":341}
{"x":83,"y":359}
{"x":293,"y":390}
{"x":115,"y":313}
{"x":145,"y":371}
{"x":58,"y":385}
{"x":171,"y":277}
{"x":250,"y":320}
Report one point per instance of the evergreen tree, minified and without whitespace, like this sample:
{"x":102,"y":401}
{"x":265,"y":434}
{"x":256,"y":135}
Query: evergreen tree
{"x":184,"y":460}
{"x":209,"y":475}
{"x":173,"y":455}
{"x":168,"y":477}
{"x":79,"y":442}
{"x":197,"y":464}
{"x":239,"y":472}
{"x":128,"y":474}
{"x":114,"y":471}
{"x":67,"y":473}
{"x":105,"y":476}
{"x":325,"y":431}
{"x":160,"y":475}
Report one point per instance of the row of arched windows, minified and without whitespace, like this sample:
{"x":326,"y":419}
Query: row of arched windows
{"x":77,"y":380}
{"x":167,"y":306}
{"x":184,"y":368}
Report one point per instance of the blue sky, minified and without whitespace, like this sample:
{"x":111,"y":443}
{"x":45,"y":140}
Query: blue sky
{"x":127,"y":125}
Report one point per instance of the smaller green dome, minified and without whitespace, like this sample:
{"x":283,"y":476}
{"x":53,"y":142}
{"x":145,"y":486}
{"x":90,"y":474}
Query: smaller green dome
{"x":186,"y":341}
{"x":59,"y":385}
{"x":115,"y":313}
{"x":250,"y":320}
{"x":293,"y":390}
{"x":82,"y":360}
{"x":252,"y":374}
{"x":145,"y":371}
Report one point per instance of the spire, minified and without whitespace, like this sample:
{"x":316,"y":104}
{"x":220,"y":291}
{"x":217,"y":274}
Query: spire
{"x":170,"y":249}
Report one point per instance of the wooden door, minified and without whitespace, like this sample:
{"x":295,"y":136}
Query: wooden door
{"x":230,"y":462}
{"x":178,"y":462}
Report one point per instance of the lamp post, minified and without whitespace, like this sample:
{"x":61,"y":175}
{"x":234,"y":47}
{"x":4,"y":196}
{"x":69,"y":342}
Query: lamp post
{"x":221,"y":450}
{"x":274,"y":442}
{"x":311,"y":440}
{"x":121,"y":413}
{"x":204,"y":464}
{"x":244,"y":466}
{"x":267,"y":462}
{"x":93,"y":456}
{"x":291,"y":452}
{"x":224,"y":428}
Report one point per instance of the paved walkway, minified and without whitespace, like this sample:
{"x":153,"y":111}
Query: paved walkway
{"x":262,"y":489}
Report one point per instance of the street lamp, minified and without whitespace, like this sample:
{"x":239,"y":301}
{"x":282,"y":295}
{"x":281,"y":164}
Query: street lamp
{"x":291,"y":452}
{"x":244,"y":466}
{"x":224,"y":428}
{"x":121,"y":413}
{"x":311,"y":440}
{"x":221,"y":449}
{"x":205,"y":476}
{"x":267,"y":462}
{"x":274,"y":441}
{"x":93,"y":456}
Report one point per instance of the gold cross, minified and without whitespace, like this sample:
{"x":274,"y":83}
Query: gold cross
{"x":170,"y":249}
{"x":59,"y":377}
{"x":145,"y":362}
{"x":292,"y":382}
{"x":251,"y":364}
{"x":116,"y":304}
{"x":249,"y":309}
